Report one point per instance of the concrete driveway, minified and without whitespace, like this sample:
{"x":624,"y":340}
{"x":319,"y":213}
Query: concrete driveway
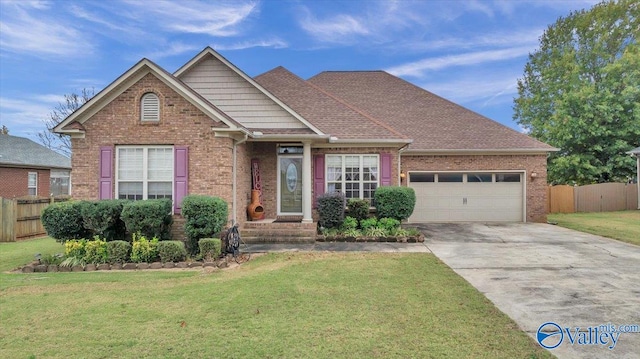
{"x":538,"y":273}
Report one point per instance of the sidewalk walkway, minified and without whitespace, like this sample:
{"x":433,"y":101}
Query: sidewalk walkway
{"x":338,"y":247}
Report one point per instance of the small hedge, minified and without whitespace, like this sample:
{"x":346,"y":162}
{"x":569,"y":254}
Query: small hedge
{"x":95,"y":251}
{"x":118,"y":251}
{"x":210,"y":248}
{"x":151,"y":218}
{"x":143,"y":249}
{"x":395,"y":202}
{"x":331,"y":209}
{"x":63,"y":221}
{"x":358,"y":208}
{"x":205,"y":216}
{"x":102,"y":218}
{"x":171,"y":251}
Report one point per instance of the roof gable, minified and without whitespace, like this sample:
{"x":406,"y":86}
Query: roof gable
{"x":435,"y":124}
{"x":130,"y":77}
{"x":238,"y":95}
{"x":22,"y":152}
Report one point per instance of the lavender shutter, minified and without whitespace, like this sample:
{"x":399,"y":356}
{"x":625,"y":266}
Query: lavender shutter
{"x":318,"y":177}
{"x":180,"y":176}
{"x":105,"y":183}
{"x":385,"y":169}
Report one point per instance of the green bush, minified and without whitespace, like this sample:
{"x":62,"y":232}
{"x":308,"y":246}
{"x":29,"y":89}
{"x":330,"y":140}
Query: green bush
{"x":75,"y":248}
{"x":358,"y":208}
{"x":368,"y":223}
{"x":331,"y":210}
{"x":150,"y":218}
{"x":63,"y":221}
{"x":349,"y":223}
{"x":210,"y":248}
{"x":103,"y":218}
{"x":205,"y":216}
{"x":388,"y":224}
{"x":144,"y":250}
{"x":95,"y":251}
{"x":171,"y":251}
{"x":52,"y":259}
{"x":395,"y":202}
{"x":118,"y":251}
{"x":374,"y":232}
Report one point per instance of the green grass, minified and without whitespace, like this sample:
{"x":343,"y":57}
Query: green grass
{"x":294,"y":305}
{"x":622,"y":225}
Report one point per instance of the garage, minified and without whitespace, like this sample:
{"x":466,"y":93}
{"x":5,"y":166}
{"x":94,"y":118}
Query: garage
{"x":467,"y":196}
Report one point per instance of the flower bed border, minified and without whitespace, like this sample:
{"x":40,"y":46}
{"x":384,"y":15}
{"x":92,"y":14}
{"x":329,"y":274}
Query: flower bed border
{"x":408,"y":239}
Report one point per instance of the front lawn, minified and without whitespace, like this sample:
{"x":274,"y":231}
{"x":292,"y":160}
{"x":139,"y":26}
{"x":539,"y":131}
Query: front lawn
{"x":621,"y":225}
{"x":300,"y":305}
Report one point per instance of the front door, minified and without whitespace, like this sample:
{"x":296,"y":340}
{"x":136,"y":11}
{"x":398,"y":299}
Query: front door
{"x":289,"y":185}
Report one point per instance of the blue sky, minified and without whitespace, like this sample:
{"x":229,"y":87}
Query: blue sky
{"x":471,"y":52}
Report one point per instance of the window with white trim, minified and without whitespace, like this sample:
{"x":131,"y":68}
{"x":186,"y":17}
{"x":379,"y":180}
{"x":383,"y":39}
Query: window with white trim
{"x":150,"y":108}
{"x":32,"y":183}
{"x":60,"y":182}
{"x":354,"y":175}
{"x":144,"y":172}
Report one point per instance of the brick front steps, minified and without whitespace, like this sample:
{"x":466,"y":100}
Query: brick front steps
{"x":268,"y":231}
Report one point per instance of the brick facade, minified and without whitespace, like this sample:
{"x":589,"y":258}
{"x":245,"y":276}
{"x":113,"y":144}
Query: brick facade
{"x":536,"y":189}
{"x":181,"y":124}
{"x":14,"y":182}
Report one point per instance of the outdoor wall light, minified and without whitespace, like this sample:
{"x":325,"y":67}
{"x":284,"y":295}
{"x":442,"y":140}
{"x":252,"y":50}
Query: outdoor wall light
{"x":402,"y":176}
{"x":534,"y":175}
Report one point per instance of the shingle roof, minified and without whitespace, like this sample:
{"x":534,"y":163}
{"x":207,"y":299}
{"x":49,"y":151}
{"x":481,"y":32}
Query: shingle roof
{"x":635,"y":151}
{"x":328,"y":113}
{"x":432,"y":121}
{"x":22,"y":152}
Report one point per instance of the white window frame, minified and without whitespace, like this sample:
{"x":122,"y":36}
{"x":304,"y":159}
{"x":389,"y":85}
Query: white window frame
{"x":62,"y":174}
{"x":35,"y":186}
{"x":145,"y":169}
{"x":145,"y":116}
{"x":360,"y":181}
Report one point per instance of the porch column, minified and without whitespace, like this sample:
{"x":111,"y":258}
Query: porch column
{"x":306,"y":183}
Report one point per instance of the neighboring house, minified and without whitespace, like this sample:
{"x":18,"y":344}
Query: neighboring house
{"x":636,"y":152}
{"x":30,"y":169}
{"x":153,"y":134}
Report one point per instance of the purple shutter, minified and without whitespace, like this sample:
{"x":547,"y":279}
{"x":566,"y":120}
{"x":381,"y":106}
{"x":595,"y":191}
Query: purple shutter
{"x":105,"y":183}
{"x":318,"y":177}
{"x":385,"y":169}
{"x":180,"y":176}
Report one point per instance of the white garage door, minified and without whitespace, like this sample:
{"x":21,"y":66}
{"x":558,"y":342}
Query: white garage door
{"x":467,"y":197}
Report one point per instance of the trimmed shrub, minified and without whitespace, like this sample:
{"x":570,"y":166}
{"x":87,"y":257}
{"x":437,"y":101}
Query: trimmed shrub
{"x":368,"y":223}
{"x":144,"y":250}
{"x":63,"y":221}
{"x":210,"y":248}
{"x":349,"y":224}
{"x":331,"y":210}
{"x":150,"y":218}
{"x":205,"y":216}
{"x":388,"y":224}
{"x":95,"y":251}
{"x":103,"y":218}
{"x":118,"y":251}
{"x":74,"y":248}
{"x":171,"y":251}
{"x":358,"y":208}
{"x":395,"y":202}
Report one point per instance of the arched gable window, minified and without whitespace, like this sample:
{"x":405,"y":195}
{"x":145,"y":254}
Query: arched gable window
{"x":150,"y":107}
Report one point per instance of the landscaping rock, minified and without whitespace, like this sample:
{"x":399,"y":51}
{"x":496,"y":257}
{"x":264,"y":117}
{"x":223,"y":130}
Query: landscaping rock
{"x":195,"y":264}
{"x":104,"y":266}
{"x":116,"y":266}
{"x":155,"y":265}
{"x":143,"y":265}
{"x":129,"y":266}
{"x":182,"y":265}
{"x":209,"y":264}
{"x":90,"y":267}
{"x":27,"y":269}
{"x":223,"y":264}
{"x":52,"y":268}
{"x":40,"y":268}
{"x":169,"y":265}
{"x":77,"y":269}
{"x":64,"y":269}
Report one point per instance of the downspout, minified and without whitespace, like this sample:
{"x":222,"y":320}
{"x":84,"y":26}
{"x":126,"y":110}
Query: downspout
{"x":400,"y":163}
{"x":234,"y":175}
{"x":638,"y":176}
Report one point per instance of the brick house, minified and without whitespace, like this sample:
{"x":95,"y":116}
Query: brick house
{"x":207,"y":127}
{"x":30,"y":169}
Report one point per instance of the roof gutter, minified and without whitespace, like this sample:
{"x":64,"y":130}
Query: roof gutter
{"x":490,"y":151}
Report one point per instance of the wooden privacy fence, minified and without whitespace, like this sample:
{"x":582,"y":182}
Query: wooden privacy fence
{"x":20,"y":217}
{"x":602,"y":197}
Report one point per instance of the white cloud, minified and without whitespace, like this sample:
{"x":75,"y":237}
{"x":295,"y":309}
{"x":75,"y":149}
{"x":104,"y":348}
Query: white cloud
{"x":25,"y":116}
{"x":419,"y":68}
{"x":38,"y":34}
{"x":488,"y":89}
{"x":275,"y":43}
{"x":337,"y":29}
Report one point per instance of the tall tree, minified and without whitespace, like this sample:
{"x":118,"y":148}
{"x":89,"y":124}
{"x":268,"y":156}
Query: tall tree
{"x":581,"y":93}
{"x":4,"y":130}
{"x":57,"y":142}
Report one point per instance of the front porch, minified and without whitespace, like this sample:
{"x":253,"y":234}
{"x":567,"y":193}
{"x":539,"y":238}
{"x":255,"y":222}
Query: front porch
{"x":278,"y":231}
